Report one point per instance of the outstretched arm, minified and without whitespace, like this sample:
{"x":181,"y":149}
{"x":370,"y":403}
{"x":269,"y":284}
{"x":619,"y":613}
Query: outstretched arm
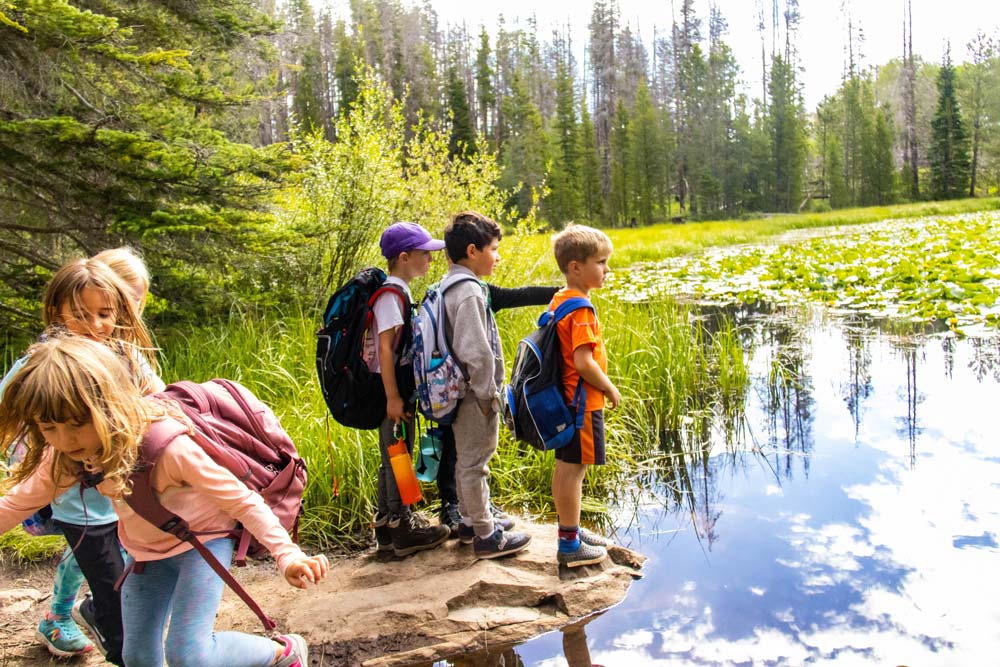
{"x":516,"y":297}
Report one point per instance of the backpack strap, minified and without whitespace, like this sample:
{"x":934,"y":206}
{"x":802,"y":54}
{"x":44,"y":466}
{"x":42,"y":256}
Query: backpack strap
{"x":441,"y":333}
{"x":563,"y":310}
{"x":404,"y":301}
{"x":145,"y":503}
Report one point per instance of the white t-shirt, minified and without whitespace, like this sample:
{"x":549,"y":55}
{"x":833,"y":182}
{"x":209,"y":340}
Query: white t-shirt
{"x":387,"y":313}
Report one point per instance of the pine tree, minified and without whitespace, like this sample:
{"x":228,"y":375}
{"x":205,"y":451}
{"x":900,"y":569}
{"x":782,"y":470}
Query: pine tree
{"x":648,"y":163}
{"x":485,"y":91}
{"x":949,"y":149}
{"x":525,"y":156}
{"x":622,"y":182}
{"x":592,"y":200}
{"x":126,"y":120}
{"x":563,"y":201}
{"x":462,"y":139}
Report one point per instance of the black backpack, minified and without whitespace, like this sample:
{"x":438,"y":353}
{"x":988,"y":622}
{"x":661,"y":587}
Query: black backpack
{"x":355,"y":395}
{"x":535,"y":408}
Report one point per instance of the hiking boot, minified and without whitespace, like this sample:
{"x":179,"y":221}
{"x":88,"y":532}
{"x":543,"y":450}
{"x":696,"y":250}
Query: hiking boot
{"x":383,"y":538}
{"x":412,"y":533}
{"x":296,"y":653}
{"x":500,"y":543}
{"x":593,"y":539}
{"x":83,"y":614}
{"x":450,"y":517}
{"x":62,"y":637}
{"x":586,"y":554}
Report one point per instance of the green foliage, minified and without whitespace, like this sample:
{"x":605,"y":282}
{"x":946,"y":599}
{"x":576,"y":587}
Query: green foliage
{"x":927,"y":269}
{"x":949,"y":149}
{"x":116,"y":124}
{"x":462,"y":139}
{"x":377,"y":172}
{"x":19,"y":548}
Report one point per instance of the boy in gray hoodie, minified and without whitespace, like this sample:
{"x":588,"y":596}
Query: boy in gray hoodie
{"x":471,"y":240}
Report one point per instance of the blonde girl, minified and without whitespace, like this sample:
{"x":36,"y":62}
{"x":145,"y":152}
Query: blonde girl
{"x":87,"y":298}
{"x":129,"y":266}
{"x":80,"y":413}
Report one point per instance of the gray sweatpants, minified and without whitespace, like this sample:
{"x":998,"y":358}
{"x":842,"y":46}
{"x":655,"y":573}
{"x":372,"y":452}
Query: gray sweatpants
{"x":475,"y":443}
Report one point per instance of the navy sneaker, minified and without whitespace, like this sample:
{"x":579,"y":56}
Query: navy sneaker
{"x":500,"y":543}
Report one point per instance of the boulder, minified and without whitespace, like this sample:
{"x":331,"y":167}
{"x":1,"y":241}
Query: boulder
{"x":439,"y":603}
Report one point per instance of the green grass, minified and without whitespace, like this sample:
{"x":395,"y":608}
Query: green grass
{"x":18,"y":547}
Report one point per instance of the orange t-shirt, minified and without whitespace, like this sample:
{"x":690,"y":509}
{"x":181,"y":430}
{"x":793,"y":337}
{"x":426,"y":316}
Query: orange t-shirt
{"x":579,"y":328}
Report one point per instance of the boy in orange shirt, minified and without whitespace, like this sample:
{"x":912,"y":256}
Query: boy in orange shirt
{"x":582,"y":254}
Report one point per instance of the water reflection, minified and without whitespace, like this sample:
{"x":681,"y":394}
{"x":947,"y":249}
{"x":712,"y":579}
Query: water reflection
{"x":853,"y":520}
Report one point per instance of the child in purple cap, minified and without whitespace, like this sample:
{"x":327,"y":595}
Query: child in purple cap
{"x":407,"y":247}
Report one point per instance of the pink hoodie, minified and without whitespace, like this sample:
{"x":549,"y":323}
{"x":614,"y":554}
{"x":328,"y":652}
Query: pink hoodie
{"x":188,"y":483}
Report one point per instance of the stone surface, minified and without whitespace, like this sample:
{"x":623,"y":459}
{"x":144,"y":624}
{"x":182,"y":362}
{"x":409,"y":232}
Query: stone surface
{"x":441,"y":602}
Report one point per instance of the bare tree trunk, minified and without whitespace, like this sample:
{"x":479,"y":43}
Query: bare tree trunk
{"x":910,"y":100}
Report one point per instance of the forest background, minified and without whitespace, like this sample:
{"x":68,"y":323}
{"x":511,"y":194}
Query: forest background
{"x":254,"y":151}
{"x":208,"y":132}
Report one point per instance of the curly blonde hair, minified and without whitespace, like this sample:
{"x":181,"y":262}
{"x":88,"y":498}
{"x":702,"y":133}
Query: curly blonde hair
{"x":67,"y":285}
{"x":73,"y":379}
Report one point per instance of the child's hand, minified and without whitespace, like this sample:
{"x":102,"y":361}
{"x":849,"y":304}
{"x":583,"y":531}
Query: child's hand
{"x":307,"y":571}
{"x":394,"y":408}
{"x":613,"y":397}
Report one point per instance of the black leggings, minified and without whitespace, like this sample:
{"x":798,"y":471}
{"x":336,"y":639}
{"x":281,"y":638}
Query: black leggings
{"x":447,"y":488}
{"x":100,"y":560}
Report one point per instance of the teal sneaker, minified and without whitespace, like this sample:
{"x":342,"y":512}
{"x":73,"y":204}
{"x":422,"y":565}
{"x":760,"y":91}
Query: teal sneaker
{"x":62,"y":637}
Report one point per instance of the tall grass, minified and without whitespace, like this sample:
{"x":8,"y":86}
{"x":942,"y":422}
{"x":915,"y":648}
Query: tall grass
{"x":666,"y":364}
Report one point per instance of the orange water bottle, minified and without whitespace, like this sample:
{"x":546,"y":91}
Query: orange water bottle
{"x":402,"y":470}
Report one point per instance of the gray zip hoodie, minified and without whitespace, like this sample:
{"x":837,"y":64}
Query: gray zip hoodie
{"x":475,"y":341}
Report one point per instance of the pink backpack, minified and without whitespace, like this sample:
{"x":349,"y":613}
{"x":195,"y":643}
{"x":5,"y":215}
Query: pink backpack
{"x":240,"y":433}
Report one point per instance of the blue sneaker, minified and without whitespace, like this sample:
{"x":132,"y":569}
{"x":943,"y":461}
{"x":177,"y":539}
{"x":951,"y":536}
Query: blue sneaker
{"x":62,"y":637}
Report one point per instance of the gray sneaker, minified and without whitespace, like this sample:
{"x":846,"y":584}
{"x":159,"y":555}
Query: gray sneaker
{"x":585,"y":555}
{"x":500,"y":543}
{"x":593,"y":539}
{"x":83,"y":614}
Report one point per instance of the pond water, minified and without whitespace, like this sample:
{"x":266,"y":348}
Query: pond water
{"x":853,"y":519}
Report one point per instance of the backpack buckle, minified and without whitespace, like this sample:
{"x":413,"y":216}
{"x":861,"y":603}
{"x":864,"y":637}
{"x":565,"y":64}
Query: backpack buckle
{"x":177,"y":527}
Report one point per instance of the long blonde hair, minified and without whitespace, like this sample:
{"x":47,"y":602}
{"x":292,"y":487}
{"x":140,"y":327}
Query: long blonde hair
{"x":129,"y":266}
{"x":67,"y":285}
{"x":71,"y":378}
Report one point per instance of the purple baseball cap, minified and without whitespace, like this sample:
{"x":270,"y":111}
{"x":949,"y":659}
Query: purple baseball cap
{"x":402,"y":236}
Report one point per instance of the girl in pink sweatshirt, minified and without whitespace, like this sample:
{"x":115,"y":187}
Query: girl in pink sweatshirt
{"x":79,"y":412}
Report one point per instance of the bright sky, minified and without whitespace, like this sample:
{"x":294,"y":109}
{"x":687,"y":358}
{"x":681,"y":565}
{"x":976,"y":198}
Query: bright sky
{"x":822,"y":32}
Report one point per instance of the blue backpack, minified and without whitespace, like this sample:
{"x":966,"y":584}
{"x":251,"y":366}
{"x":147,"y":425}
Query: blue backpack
{"x":535,"y":408}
